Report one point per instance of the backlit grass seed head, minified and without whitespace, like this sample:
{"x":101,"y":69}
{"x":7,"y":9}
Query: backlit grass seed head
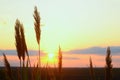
{"x":37,"y":24}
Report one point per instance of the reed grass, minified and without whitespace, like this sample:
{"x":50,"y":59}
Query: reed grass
{"x":8,"y":70}
{"x":37,"y":30}
{"x":108,"y":67}
{"x":60,"y":63}
{"x":22,"y":50}
{"x":18,"y":39}
{"x":92,"y":74}
{"x":18,"y":74}
{"x":20,"y":42}
{"x":37,"y":24}
{"x":21,"y":47}
{"x":24,"y":46}
{"x":35,"y":72}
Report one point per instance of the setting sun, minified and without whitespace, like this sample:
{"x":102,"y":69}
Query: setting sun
{"x":51,"y":58}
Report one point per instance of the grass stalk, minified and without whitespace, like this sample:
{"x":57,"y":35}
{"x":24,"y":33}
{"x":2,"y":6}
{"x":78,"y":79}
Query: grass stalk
{"x":92,"y":74}
{"x":108,"y":67}
{"x":60,"y":63}
{"x":37,"y":30}
{"x":18,"y":39}
{"x":38,"y":34}
{"x":8,"y":70}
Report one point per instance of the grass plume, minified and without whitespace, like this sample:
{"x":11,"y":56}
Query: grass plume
{"x":18,"y":39}
{"x":60,"y":63}
{"x":37,"y":25}
{"x":8,"y":70}
{"x":37,"y":30}
{"x":24,"y":46}
{"x":108,"y":67}
{"x":20,"y":42}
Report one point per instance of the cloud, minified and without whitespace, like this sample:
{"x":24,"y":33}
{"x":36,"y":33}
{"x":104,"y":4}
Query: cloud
{"x":96,"y":50}
{"x":14,"y":52}
{"x":70,"y":58}
{"x":73,"y":58}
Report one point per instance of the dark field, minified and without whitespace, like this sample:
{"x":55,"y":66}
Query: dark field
{"x":70,"y":73}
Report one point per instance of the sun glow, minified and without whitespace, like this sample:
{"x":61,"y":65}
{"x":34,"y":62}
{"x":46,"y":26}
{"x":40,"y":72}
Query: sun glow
{"x":51,"y":58}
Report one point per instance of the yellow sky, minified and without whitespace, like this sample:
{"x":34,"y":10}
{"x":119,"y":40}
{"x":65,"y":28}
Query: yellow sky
{"x":73,"y":24}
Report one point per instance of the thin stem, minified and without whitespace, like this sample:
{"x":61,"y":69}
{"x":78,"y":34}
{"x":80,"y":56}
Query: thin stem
{"x":39,"y":61}
{"x":23,"y":63}
{"x":20,"y":63}
{"x":29,"y":60}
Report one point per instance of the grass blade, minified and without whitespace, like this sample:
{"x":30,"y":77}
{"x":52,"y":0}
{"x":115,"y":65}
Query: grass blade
{"x":8,"y":70}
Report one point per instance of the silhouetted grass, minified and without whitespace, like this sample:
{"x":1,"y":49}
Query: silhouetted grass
{"x":60,"y":63}
{"x":7,"y":68}
{"x":46,"y":73}
{"x":92,"y":73}
{"x":37,"y":30}
{"x":18,"y":39}
{"x":108,"y":67}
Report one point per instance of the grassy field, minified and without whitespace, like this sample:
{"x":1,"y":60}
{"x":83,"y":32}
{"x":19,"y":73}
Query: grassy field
{"x":70,"y":73}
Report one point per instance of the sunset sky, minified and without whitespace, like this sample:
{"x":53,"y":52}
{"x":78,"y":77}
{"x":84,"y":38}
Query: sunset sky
{"x":72,"y":24}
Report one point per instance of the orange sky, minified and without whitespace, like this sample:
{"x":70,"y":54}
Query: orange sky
{"x":73,"y":24}
{"x":74,"y":60}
